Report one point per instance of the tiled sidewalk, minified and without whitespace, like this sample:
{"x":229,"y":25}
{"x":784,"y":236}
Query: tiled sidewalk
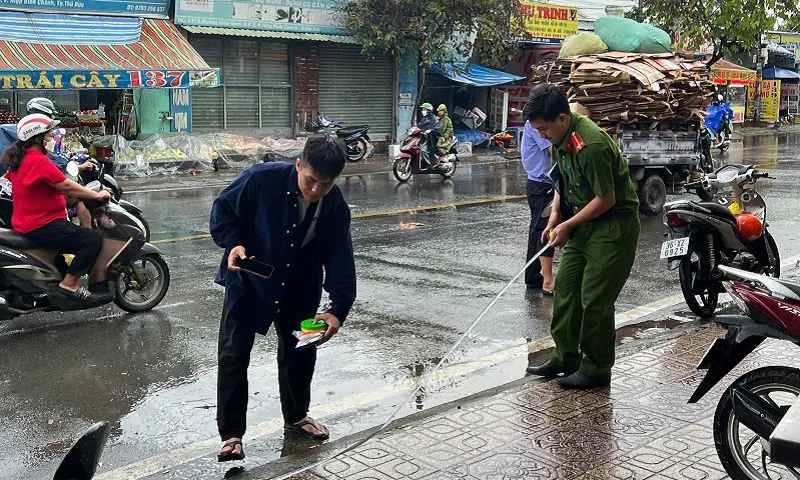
{"x":640,"y":428}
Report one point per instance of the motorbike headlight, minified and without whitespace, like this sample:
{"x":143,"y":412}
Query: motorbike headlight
{"x":737,"y":300}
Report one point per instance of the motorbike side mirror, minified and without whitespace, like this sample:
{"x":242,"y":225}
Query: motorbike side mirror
{"x":82,"y":459}
{"x":73,"y":170}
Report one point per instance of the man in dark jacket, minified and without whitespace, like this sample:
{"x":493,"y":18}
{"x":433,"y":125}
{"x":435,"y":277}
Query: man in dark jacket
{"x":429,"y":124}
{"x":294,"y":219}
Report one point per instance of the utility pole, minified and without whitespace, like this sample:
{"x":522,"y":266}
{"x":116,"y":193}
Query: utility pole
{"x":761,"y":58}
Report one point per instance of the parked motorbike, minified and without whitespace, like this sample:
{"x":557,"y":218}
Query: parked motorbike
{"x":754,"y":403}
{"x":409,"y":161}
{"x":138,"y":276}
{"x":355,"y":139}
{"x":707,"y":234}
{"x":83,"y":458}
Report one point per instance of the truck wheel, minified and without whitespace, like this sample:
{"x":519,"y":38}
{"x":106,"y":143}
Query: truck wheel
{"x":652,"y":195}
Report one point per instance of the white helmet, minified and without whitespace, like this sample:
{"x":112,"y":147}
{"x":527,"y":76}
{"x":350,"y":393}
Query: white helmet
{"x":34,"y":124}
{"x":41,"y":105}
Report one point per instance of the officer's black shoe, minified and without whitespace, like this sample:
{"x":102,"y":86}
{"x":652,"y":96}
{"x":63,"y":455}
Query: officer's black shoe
{"x":550,"y":369}
{"x":581,"y":381}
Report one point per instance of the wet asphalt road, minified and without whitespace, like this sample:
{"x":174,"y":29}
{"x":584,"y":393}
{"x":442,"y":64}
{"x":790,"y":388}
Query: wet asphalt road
{"x":152,"y":375}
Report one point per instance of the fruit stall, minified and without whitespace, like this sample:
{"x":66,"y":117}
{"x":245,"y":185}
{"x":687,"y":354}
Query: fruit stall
{"x":97,"y":85}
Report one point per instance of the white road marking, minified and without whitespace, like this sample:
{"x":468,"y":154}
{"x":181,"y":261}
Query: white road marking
{"x":152,"y":465}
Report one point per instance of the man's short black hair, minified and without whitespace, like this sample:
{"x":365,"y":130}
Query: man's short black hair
{"x":325,"y":155}
{"x":546,"y":102}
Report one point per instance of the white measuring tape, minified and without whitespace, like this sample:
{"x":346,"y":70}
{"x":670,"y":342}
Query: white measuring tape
{"x":425,"y":380}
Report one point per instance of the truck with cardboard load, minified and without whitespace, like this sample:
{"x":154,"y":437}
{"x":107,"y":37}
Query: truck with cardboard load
{"x":652,"y":105}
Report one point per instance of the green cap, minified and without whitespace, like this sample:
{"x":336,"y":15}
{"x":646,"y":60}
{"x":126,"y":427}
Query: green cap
{"x":427,"y":106}
{"x":441,"y":107}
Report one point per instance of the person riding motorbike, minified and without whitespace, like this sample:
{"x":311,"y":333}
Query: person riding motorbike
{"x":429,"y":124}
{"x":717,"y":114}
{"x":445,"y":130}
{"x":40,"y":204}
{"x":76,"y":208}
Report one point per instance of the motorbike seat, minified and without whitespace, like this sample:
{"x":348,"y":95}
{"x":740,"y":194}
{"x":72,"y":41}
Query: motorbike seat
{"x":793,"y":286}
{"x":10,"y":238}
{"x":346,"y":132}
{"x":718,"y":210}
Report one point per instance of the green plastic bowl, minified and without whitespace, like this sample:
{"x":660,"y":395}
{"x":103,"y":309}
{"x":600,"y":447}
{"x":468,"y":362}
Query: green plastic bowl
{"x":313,"y":325}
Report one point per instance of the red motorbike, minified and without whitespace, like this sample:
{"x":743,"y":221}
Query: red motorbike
{"x":753,"y":405}
{"x":409,"y":161}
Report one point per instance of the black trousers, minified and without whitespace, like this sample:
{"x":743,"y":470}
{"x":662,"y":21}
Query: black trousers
{"x":295,"y":369}
{"x":540,"y":195}
{"x":66,"y":237}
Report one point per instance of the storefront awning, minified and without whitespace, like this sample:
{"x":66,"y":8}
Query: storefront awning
{"x":779,"y":74}
{"x":724,"y":71}
{"x":244,"y":32}
{"x":72,"y":29}
{"x":160,"y":58}
{"x":475,"y":75}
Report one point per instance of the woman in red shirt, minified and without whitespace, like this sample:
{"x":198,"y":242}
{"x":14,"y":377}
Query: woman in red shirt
{"x":40,"y":205}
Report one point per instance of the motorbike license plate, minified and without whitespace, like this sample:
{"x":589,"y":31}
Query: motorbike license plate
{"x":675,"y":248}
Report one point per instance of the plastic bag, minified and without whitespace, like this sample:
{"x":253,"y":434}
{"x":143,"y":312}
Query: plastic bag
{"x":584,"y":43}
{"x":654,"y":40}
{"x":626,"y":35}
{"x":475,"y":137}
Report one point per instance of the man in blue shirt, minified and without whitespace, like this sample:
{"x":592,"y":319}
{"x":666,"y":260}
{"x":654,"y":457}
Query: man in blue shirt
{"x":536,"y":160}
{"x":293,"y":218}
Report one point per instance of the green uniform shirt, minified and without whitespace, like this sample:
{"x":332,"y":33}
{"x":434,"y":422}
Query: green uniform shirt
{"x":595,"y":169}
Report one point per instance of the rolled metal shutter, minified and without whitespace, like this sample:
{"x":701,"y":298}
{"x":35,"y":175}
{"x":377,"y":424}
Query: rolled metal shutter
{"x":208,"y":113}
{"x":251,"y":70}
{"x":276,"y":82}
{"x":355,"y":90}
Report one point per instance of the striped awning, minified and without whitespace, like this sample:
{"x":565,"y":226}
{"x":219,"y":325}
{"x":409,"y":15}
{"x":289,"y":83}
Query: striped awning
{"x":72,"y":29}
{"x":161,"y":58}
{"x":241,"y":32}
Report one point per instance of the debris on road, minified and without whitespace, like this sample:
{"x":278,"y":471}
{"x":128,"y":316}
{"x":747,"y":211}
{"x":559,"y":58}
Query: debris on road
{"x":410,"y":225}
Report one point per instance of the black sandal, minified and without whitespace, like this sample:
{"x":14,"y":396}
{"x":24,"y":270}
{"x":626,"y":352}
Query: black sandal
{"x":298,"y":429}
{"x":232,"y":455}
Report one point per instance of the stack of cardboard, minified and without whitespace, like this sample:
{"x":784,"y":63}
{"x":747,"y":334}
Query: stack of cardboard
{"x":643,"y":91}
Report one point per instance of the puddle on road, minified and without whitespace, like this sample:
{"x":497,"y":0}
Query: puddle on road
{"x":627,"y":334}
{"x":650,"y":329}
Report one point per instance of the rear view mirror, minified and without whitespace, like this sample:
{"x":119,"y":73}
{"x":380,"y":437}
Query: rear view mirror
{"x":82,"y":459}
{"x":72,"y":169}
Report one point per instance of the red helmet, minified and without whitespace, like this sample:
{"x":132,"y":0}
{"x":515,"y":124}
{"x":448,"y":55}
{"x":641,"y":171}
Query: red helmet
{"x":749,"y":226}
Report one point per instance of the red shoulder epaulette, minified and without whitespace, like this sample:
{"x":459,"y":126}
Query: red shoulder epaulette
{"x":576,"y":141}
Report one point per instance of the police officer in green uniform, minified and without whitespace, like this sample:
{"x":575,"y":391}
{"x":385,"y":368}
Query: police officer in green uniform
{"x":595,"y":220}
